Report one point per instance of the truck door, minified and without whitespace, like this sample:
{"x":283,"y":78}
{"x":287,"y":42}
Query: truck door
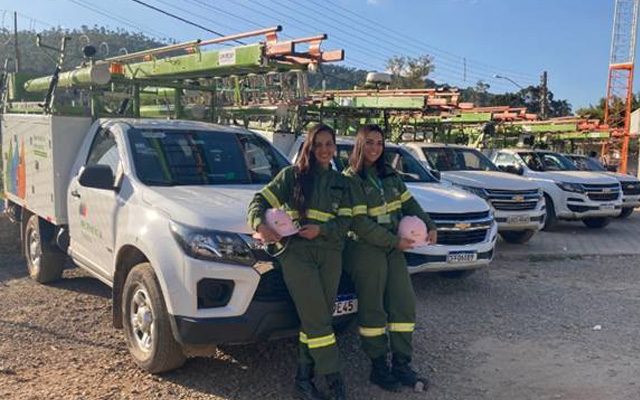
{"x":92,"y":212}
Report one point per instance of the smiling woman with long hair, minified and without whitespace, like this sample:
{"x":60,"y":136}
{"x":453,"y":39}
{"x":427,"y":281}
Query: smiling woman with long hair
{"x":319,"y":201}
{"x":375,"y":261}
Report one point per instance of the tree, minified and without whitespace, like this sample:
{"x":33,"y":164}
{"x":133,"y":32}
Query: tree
{"x":409,"y":72}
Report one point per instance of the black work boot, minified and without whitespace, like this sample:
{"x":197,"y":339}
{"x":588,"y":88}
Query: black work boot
{"x":305,"y":389}
{"x":401,"y":369}
{"x":336,"y":386}
{"x":381,"y":375}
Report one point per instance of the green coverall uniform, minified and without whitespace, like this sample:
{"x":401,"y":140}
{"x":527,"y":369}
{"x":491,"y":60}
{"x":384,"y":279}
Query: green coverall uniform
{"x":312,"y":268}
{"x":386,"y":300}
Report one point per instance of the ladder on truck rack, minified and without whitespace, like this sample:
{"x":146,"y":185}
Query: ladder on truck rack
{"x":155,"y":82}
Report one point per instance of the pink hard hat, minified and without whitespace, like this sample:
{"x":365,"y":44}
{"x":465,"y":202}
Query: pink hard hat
{"x":412,"y":227}
{"x":281,"y":222}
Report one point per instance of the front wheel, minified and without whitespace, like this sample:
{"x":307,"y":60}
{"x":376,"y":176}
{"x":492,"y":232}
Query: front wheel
{"x":517,"y":237}
{"x":550,"y":220}
{"x":146,"y":323}
{"x":596,"y":223}
{"x":44,"y":261}
{"x":626,"y":213}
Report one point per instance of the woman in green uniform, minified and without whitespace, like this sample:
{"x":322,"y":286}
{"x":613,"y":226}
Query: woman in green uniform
{"x":319,"y":201}
{"x":375,"y":261}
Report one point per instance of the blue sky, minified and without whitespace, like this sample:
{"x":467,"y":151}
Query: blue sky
{"x":570,"y":39}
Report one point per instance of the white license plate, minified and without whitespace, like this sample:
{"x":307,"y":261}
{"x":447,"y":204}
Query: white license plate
{"x":518,"y":219}
{"x":607,"y":206}
{"x":460,"y":258}
{"x":345,"y":304}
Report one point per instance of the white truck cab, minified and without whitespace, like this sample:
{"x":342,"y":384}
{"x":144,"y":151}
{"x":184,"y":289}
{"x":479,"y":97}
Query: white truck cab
{"x":517,"y":202}
{"x":570,"y":194}
{"x":156,"y":210}
{"x":630,"y":184}
{"x":467,"y":231}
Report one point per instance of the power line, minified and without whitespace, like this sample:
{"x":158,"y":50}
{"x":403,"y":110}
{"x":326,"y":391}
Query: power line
{"x":412,"y":39}
{"x":186,"y":21}
{"x":124,"y":21}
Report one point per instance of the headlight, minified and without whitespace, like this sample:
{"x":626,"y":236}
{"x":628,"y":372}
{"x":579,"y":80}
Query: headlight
{"x":570,"y":187}
{"x":475,"y":190}
{"x":211,"y":245}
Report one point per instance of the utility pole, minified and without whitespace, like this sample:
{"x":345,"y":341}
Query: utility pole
{"x":544,"y":96}
{"x":15,"y":40}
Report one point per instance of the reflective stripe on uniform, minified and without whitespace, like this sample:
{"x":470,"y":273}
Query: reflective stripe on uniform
{"x":271,"y":198}
{"x":359,"y":210}
{"x":371,"y":332}
{"x":345,"y":212}
{"x":385,"y":208}
{"x":405,"y":196}
{"x":293,"y":214}
{"x":375,"y":211}
{"x":314,"y":343}
{"x":401,"y":326}
{"x":319,"y":215}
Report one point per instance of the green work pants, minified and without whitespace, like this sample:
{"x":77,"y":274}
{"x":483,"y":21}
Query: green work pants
{"x":386,"y":300}
{"x":312,"y":275}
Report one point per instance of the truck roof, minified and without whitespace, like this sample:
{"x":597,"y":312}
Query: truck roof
{"x":150,"y":123}
{"x":423,"y":144}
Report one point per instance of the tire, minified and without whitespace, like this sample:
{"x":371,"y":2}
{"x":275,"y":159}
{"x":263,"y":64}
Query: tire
{"x":45,"y":262}
{"x":596,"y":223}
{"x":457,"y":274}
{"x":550,"y":220}
{"x":517,"y":237}
{"x":146,"y":323}
{"x":626,"y":213}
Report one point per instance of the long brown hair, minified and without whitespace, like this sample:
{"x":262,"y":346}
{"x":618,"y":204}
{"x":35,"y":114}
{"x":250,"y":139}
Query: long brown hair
{"x":356,"y":161}
{"x":304,"y":168}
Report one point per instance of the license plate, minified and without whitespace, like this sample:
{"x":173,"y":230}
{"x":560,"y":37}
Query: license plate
{"x":518,"y":219}
{"x":460,"y":258}
{"x":607,"y":207}
{"x":345,"y":304}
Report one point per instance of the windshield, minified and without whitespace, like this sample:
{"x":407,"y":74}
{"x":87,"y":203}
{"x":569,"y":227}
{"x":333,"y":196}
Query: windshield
{"x":401,"y":160}
{"x":457,"y":159}
{"x":587,"y":164}
{"x":193,"y":157}
{"x":539,"y":161}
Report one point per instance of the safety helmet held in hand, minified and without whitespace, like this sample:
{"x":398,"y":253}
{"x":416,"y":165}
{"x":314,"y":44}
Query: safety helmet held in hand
{"x":412,"y":227}
{"x":281,"y":222}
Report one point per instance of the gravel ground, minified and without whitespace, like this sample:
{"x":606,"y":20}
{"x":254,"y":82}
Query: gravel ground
{"x":522,"y":329}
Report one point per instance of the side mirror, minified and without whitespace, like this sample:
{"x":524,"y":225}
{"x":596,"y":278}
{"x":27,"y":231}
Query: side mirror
{"x":97,"y":177}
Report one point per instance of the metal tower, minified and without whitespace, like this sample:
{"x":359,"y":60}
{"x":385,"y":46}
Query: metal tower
{"x":617,"y":112}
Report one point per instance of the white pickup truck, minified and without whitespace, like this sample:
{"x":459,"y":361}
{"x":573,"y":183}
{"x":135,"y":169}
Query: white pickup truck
{"x":517,"y":202}
{"x":467,"y":231}
{"x":630,"y":184}
{"x":156,"y":210}
{"x":570,"y":194}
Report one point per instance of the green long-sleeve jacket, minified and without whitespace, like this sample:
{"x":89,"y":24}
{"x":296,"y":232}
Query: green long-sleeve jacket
{"x":330,"y":205}
{"x":372,"y":206}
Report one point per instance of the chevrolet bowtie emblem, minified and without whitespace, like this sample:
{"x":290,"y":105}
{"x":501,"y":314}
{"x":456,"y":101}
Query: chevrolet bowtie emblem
{"x":518,"y":198}
{"x":462,"y":226}
{"x":606,"y":190}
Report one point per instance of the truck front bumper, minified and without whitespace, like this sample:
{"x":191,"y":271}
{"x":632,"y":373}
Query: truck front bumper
{"x":435,"y":258}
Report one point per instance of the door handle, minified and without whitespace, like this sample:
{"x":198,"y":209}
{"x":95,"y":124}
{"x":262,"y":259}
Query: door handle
{"x":74,"y":193}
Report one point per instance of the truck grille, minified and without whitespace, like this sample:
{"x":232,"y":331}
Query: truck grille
{"x":462,"y":229}
{"x":514,"y":200}
{"x":462,"y":237}
{"x":602,"y":192}
{"x":631,"y":188}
